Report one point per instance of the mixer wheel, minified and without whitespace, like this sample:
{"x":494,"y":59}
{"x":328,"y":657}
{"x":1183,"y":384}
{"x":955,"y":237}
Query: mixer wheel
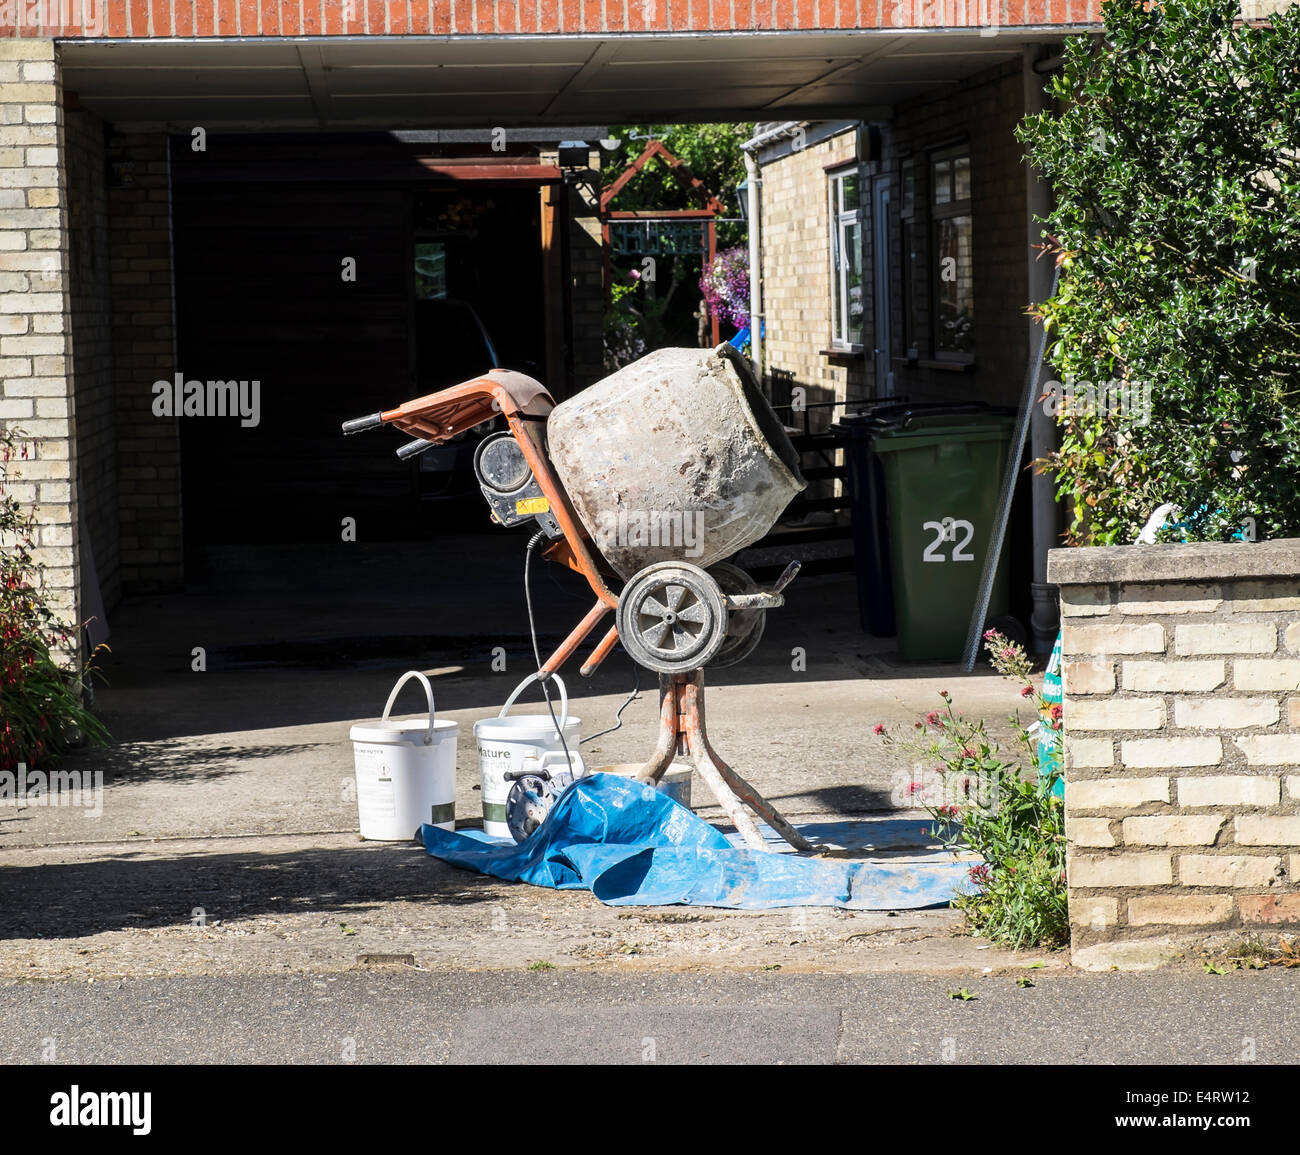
{"x":672,"y":617}
{"x":744,"y":627}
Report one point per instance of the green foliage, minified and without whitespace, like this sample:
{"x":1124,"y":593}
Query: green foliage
{"x":710,"y":151}
{"x":652,"y":314}
{"x":41,"y":709}
{"x":1177,"y":234}
{"x":1003,"y":811}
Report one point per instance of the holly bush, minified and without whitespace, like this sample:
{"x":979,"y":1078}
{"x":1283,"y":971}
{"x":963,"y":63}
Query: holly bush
{"x":1172,"y":153}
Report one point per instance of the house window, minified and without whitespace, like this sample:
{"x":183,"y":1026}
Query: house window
{"x":951,"y":252}
{"x":846,"y":258}
{"x":430,"y":271}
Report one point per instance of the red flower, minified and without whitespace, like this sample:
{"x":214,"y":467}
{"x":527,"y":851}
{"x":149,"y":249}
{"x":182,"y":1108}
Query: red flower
{"x":878,"y":728}
{"x":1026,"y":691}
{"x":932,"y":719}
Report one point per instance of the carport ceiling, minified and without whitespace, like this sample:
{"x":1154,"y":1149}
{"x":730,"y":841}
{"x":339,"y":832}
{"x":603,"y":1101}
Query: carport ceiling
{"x":368,"y":82}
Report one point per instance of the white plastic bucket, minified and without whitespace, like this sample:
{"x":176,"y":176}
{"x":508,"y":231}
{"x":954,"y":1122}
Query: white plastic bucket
{"x":406,"y":771}
{"x":676,"y":782}
{"x":505,"y":743}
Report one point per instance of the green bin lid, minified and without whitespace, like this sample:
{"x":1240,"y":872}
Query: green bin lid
{"x":920,"y":434}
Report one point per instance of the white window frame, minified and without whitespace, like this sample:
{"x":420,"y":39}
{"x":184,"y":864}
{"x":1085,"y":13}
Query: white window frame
{"x":839,"y":288}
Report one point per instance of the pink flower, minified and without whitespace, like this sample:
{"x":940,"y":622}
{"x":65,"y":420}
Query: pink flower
{"x":878,"y":728}
{"x":932,"y":719}
{"x":1026,"y":691}
{"x":913,"y":787}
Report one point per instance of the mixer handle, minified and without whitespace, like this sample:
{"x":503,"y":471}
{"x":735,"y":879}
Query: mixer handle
{"x":414,"y":448}
{"x":787,"y":576}
{"x":361,"y":424}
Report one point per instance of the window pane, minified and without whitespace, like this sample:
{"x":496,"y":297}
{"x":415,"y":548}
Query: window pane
{"x":851,"y":193}
{"x":909,"y":189}
{"x":430,"y":272}
{"x":954,"y":327}
{"x":853,"y":280}
{"x":961,"y":174}
{"x":942,"y":182}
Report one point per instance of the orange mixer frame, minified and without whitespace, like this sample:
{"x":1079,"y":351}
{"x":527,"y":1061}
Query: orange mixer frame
{"x":525,"y":405}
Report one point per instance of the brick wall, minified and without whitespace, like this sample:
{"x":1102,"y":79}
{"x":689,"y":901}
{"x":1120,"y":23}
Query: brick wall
{"x":587,"y":277}
{"x":35,"y":385}
{"x":90,"y":333}
{"x":185,"y":18}
{"x":983,"y":111}
{"x":1182,"y":742}
{"x":795,"y":223}
{"x":148,"y":447}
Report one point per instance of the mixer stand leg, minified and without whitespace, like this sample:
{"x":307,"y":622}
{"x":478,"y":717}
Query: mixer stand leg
{"x":681,"y":731}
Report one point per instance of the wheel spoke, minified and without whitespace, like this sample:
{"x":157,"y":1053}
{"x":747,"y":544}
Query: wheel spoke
{"x":651,"y":605}
{"x":654,"y":635}
{"x":696,"y":612}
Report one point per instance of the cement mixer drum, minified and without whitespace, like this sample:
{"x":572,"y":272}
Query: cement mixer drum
{"x":676,"y":457}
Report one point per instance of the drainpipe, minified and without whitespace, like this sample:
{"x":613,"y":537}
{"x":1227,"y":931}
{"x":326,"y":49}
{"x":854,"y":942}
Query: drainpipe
{"x":1043,"y":433}
{"x":755,"y":269}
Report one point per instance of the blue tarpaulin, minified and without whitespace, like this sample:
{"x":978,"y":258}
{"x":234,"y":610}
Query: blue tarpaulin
{"x":632,"y":845}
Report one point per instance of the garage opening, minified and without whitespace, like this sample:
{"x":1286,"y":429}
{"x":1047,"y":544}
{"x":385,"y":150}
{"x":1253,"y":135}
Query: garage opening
{"x":343,"y":274}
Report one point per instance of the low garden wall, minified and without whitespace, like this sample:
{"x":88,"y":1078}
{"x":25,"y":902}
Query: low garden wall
{"x":1182,"y":744}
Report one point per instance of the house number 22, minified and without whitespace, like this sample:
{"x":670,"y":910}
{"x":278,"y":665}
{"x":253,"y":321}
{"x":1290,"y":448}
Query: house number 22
{"x":947,"y":530}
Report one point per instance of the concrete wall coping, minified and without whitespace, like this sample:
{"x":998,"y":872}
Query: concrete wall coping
{"x":1191,"y":562}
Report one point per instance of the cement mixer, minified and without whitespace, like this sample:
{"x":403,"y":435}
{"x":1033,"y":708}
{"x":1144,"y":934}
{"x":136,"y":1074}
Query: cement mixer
{"x":645,"y":481}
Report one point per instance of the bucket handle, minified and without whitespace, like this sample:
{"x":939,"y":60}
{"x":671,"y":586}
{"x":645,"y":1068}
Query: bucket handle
{"x":564,"y":698}
{"x":428,"y":693}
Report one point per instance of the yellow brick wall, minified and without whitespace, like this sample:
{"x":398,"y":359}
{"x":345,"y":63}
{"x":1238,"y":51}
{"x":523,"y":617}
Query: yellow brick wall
{"x":796,"y":270}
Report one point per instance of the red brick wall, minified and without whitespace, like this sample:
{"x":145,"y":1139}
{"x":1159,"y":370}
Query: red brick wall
{"x":189,"y":18}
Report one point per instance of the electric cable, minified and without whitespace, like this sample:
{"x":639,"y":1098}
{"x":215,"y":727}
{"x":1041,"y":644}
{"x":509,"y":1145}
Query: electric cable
{"x":533,"y":542}
{"x":618,"y":714}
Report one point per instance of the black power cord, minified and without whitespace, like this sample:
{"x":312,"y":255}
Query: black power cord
{"x":533,"y":542}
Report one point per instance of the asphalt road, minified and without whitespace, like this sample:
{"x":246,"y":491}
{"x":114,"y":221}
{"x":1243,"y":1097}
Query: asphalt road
{"x":403,"y":1016}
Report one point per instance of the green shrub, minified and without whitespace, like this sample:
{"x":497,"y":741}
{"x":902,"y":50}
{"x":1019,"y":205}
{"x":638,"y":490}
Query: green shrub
{"x":1172,"y":156}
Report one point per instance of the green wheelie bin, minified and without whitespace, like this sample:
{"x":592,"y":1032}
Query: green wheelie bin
{"x":943,"y":475}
